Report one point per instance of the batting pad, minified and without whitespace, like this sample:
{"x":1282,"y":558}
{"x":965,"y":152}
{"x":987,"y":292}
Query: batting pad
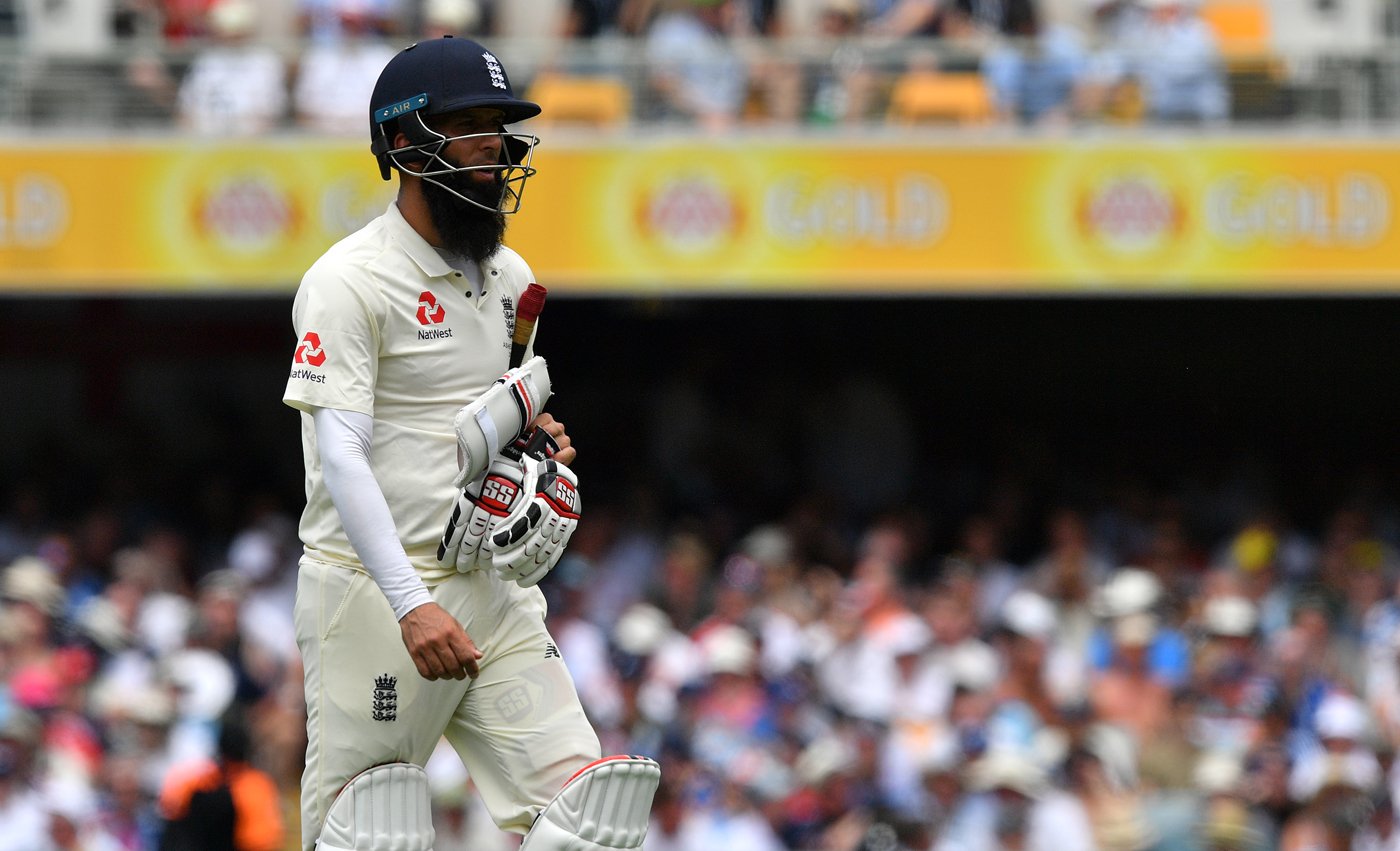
{"x":606,"y":805}
{"x":386,"y":808}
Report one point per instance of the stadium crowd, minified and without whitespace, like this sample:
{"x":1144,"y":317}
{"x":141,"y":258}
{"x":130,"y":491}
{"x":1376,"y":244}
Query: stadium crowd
{"x":1126,"y":685}
{"x":243,"y":67}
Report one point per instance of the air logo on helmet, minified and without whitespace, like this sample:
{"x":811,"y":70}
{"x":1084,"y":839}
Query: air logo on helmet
{"x":493,"y":67}
{"x":394,"y":110}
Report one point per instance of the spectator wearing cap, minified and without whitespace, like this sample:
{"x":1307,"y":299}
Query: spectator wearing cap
{"x":1343,"y":729}
{"x":1014,"y":805}
{"x":1332,"y":815}
{"x":1100,"y":773}
{"x":73,"y":824}
{"x":917,"y":724}
{"x":734,"y":719}
{"x":30,"y":601}
{"x":1129,"y":593}
{"x":728,"y":817}
{"x":694,"y":68}
{"x":236,"y":87}
{"x":1128,"y":693}
{"x":336,"y":74}
{"x":1254,"y":559}
{"x":1177,"y":61}
{"x":1234,"y":692}
{"x":451,"y":18}
{"x":1225,"y":819}
{"x":1039,"y":678}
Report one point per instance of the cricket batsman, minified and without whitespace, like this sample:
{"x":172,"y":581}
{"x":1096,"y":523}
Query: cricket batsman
{"x":438,"y":493}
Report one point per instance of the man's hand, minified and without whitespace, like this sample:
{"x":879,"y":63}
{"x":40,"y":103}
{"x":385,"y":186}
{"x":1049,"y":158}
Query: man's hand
{"x":565,"y":453}
{"x":439,"y":646}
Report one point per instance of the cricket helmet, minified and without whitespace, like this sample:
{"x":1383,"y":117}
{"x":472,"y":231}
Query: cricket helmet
{"x":440,"y":76}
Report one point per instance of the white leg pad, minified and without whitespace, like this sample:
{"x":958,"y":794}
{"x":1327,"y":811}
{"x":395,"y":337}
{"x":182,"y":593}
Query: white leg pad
{"x":386,"y":808}
{"x":605,"y":806}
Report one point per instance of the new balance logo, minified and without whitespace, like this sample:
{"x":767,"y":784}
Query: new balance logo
{"x":385,"y":704}
{"x":551,"y":652}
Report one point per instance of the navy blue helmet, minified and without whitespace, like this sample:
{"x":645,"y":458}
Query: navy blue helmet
{"x":439,"y":76}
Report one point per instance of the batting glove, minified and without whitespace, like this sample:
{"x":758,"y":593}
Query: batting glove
{"x":527,"y":542}
{"x":480,"y":504}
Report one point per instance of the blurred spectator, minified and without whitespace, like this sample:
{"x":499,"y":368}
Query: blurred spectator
{"x":1342,"y":729}
{"x":23,"y":819}
{"x":1014,"y":805}
{"x":1034,"y":75}
{"x":1173,"y":56}
{"x":450,"y":17}
{"x":227,"y":804}
{"x":460,"y":819}
{"x":585,"y":19}
{"x":336,"y":75}
{"x":325,"y":20}
{"x":187,"y":19}
{"x":898,"y":19}
{"x":1132,"y":593}
{"x":726,"y":817}
{"x":841,"y":85}
{"x":1039,"y":680}
{"x":126,"y":812}
{"x":72,"y":822}
{"x":236,"y":87}
{"x":693,"y":66}
{"x":1101,"y":773}
{"x":1128,"y":693}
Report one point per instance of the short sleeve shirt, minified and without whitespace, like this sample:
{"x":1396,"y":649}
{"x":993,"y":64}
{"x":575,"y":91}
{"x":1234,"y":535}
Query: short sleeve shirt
{"x":385,"y":327}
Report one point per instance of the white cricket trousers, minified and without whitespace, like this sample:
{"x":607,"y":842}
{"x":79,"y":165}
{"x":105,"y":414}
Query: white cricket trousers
{"x":518,"y":727}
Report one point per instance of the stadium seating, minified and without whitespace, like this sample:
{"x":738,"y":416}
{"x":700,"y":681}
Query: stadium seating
{"x":588,"y":100}
{"x":932,"y":96}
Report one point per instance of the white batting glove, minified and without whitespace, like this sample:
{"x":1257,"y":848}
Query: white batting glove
{"x":498,"y":417}
{"x":527,"y":543}
{"x":480,"y":504}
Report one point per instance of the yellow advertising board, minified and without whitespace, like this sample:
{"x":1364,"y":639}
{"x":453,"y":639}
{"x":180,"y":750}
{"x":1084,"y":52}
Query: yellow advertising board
{"x":740,"y":216}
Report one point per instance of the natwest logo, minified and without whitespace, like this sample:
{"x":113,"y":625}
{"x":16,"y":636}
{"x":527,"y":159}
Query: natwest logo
{"x":309,"y":350}
{"x":429,"y":311}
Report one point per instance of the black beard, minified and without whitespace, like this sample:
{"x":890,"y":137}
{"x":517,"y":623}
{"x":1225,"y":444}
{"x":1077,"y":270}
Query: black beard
{"x":464,"y":228}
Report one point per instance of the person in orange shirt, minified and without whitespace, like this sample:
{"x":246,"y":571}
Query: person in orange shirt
{"x":225,"y":805}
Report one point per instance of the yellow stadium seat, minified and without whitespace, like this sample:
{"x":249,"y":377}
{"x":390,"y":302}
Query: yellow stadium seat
{"x":1242,"y":26}
{"x":565,"y":99}
{"x":925,"y":96}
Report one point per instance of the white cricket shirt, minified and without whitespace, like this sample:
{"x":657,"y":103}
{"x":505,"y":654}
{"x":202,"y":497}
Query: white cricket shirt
{"x":386,"y":327}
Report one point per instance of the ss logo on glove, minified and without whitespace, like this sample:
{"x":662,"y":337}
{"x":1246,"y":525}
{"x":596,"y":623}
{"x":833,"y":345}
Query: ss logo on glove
{"x":517,"y":519}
